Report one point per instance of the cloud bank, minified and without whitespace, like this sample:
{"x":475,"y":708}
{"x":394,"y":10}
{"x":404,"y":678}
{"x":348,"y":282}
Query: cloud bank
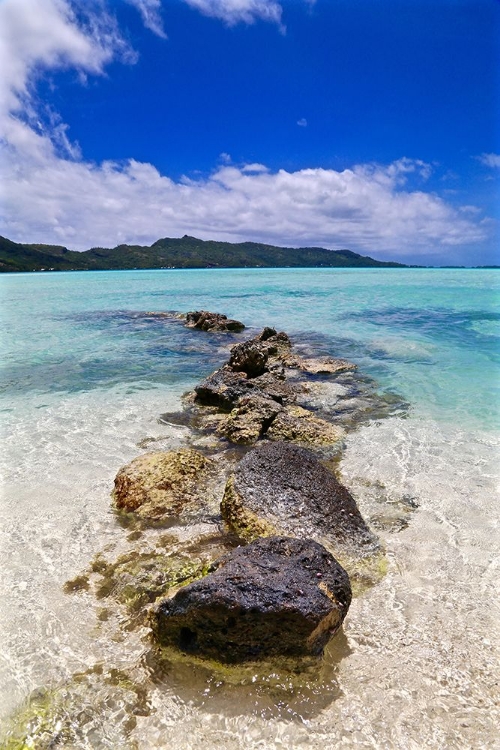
{"x":52,"y":194}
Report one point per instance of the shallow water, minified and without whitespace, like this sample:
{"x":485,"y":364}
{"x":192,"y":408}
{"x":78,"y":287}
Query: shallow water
{"x":86,"y":377}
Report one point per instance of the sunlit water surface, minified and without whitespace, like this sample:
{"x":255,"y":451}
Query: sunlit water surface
{"x":84,"y":380}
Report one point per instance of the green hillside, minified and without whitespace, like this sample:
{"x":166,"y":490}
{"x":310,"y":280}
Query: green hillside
{"x":186,"y":252}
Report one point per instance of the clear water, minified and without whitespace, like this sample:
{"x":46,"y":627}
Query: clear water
{"x":84,"y":379}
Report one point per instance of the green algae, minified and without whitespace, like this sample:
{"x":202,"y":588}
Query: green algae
{"x":247,"y":525}
{"x":68,"y":715}
{"x":79,"y":583}
{"x":137,"y":579}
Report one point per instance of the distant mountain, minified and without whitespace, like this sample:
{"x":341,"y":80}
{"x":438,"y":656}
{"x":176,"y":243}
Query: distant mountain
{"x":186,"y":252}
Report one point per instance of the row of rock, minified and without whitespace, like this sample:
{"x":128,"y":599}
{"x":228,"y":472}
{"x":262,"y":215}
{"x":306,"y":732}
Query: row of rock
{"x":283,"y":591}
{"x":254,"y":397}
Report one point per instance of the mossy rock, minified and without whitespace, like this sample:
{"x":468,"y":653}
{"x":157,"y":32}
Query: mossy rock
{"x":249,"y":420}
{"x":297,"y":425}
{"x":159,"y":485}
{"x":137,"y":579}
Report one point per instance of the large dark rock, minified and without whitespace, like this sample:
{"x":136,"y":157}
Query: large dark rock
{"x":213,"y":322}
{"x":283,"y":489}
{"x":277,"y":596}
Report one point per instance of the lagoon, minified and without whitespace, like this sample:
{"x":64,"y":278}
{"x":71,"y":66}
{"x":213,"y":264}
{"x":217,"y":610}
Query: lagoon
{"x":84,"y":381}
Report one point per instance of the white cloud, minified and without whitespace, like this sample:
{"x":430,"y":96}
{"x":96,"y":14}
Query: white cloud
{"x":302,"y":122}
{"x":56,"y":200}
{"x":39,"y":34}
{"x":254,"y":168}
{"x":490,"y":160}
{"x":151,"y":17}
{"x":239,"y":11}
{"x":51,"y":194}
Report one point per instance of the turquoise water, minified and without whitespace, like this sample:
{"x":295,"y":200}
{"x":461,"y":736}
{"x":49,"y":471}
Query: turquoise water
{"x":85,"y":376}
{"x":431,"y":335}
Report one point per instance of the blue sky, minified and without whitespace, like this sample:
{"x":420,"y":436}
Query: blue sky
{"x":366,"y":124}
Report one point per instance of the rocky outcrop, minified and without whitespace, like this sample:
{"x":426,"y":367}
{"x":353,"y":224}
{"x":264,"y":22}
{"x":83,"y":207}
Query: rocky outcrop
{"x":279,"y":488}
{"x":212,"y":322}
{"x":248,"y":384}
{"x":162,"y":484}
{"x":277,"y":596}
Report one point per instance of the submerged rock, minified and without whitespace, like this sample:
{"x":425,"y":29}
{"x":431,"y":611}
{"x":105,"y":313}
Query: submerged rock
{"x":162,"y":484}
{"x":280,"y":488}
{"x":277,"y":596}
{"x":212,"y":322}
{"x":320,"y":365}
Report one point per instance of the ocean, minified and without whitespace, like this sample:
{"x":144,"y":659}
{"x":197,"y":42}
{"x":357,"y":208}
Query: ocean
{"x":85,"y":379}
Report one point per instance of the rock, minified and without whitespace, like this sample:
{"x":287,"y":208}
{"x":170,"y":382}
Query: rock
{"x":223,"y":388}
{"x":278,"y":344}
{"x":275,"y":385}
{"x":163,"y":484}
{"x":326,"y":365}
{"x":280,"y":488}
{"x":249,"y":357}
{"x":213,"y":322}
{"x":298,"y":425}
{"x":249,"y":420}
{"x":277,"y":596}
{"x":319,"y":365}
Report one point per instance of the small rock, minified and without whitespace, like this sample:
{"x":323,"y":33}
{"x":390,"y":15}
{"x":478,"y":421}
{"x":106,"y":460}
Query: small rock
{"x":320,"y":365}
{"x":275,"y":385}
{"x":277,"y":596}
{"x":249,"y":357}
{"x":213,"y":322}
{"x":223,"y":388}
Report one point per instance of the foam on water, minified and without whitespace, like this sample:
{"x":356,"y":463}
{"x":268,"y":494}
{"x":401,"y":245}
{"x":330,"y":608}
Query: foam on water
{"x":86,"y":380}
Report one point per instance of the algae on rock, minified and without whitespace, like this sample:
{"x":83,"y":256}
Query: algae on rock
{"x":159,"y":485}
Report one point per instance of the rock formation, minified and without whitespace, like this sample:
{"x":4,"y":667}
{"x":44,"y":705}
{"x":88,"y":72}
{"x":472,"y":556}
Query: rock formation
{"x":276,"y":596}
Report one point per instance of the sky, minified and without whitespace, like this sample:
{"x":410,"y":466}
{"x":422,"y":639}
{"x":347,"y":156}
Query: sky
{"x":371,"y":125}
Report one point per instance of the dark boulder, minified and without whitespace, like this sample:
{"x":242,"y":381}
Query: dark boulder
{"x":213,"y":322}
{"x":277,"y":596}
